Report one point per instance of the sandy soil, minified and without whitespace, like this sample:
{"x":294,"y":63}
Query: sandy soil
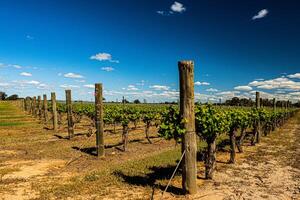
{"x":32,"y":155}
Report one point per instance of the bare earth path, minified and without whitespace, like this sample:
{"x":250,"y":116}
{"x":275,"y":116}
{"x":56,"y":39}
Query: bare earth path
{"x":33,"y":166}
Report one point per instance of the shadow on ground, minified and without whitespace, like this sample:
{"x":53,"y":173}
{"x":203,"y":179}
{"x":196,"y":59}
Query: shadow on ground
{"x":151,"y":179}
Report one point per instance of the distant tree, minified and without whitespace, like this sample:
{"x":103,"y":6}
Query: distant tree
{"x":136,"y":101}
{"x":12,"y":97}
{"x":3,"y":95}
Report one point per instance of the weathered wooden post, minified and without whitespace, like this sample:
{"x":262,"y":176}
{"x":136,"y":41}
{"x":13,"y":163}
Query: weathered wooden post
{"x":274,"y":104}
{"x":54,"y":111}
{"x":99,"y":120}
{"x":25,"y":104}
{"x":34,"y":106}
{"x":258,"y":101}
{"x":45,"y":108}
{"x":30,"y":105}
{"x":189,"y":146}
{"x":39,"y":107}
{"x":69,"y":114}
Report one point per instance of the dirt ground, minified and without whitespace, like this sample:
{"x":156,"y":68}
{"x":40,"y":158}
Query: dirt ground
{"x":36,"y":163}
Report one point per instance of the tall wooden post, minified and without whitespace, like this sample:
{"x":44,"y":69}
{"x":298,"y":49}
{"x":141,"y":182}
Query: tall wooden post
{"x":39,"y":107}
{"x":258,"y":101}
{"x":54,"y":111}
{"x":34,"y":106}
{"x":26,"y":104}
{"x":45,"y":107}
{"x":189,"y":145}
{"x":99,"y":120}
{"x":69,"y":114}
{"x":274,"y":104}
{"x":30,"y":105}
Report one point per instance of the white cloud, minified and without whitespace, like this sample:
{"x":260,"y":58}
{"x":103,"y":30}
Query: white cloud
{"x":108,"y":69}
{"x":159,"y":87}
{"x":243,"y":88}
{"x":130,"y":88}
{"x":16,"y":66}
{"x":80,"y":81}
{"x":201,"y":83}
{"x":211,"y":90}
{"x":32,"y":82}
{"x":4,"y":84}
{"x":160,"y":12}
{"x":103,"y":57}
{"x":69,"y":86}
{"x":42,"y":86}
{"x":260,"y":14}
{"x":277,"y":83}
{"x":297,"y":75}
{"x":177,"y":7}
{"x":72,"y":75}
{"x":25,"y":74}
{"x":89,"y":86}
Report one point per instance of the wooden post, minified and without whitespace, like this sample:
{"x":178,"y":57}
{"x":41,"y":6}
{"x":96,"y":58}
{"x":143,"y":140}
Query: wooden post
{"x":34,"y":106}
{"x":26,"y":104}
{"x":40,"y":107}
{"x":99,"y":120}
{"x":189,"y":145}
{"x":274,"y":104}
{"x":69,"y":114}
{"x":30,"y":105}
{"x":54,"y":111}
{"x":45,"y":107}
{"x":258,"y":101}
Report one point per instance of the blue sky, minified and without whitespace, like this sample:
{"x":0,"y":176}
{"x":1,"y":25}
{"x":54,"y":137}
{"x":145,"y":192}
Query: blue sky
{"x":133,"y":46}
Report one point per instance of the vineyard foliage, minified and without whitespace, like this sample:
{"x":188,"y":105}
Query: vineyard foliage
{"x":210,"y":121}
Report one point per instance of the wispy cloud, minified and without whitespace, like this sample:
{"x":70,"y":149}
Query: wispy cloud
{"x":16,"y":66}
{"x":243,"y":88}
{"x":159,"y":87}
{"x":211,"y":90}
{"x":68,"y":86}
{"x":198,"y":83}
{"x":29,"y":37}
{"x":260,"y":14}
{"x":103,"y":57}
{"x":277,"y":83}
{"x":72,"y":75}
{"x":89,"y":86}
{"x":25,"y":74}
{"x":108,"y":69}
{"x":132,"y":88}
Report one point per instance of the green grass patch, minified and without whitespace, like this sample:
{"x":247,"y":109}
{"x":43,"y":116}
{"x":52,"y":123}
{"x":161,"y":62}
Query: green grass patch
{"x":7,"y":124}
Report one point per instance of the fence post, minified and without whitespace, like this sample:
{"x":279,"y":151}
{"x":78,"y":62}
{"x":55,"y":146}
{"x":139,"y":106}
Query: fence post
{"x":54,"y":111}
{"x":99,"y":120}
{"x":189,"y":145}
{"x":34,"y":106}
{"x":39,"y":107}
{"x":258,"y":105}
{"x":69,"y":114}
{"x":45,"y":108}
{"x":29,"y":105}
{"x":274,"y":104}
